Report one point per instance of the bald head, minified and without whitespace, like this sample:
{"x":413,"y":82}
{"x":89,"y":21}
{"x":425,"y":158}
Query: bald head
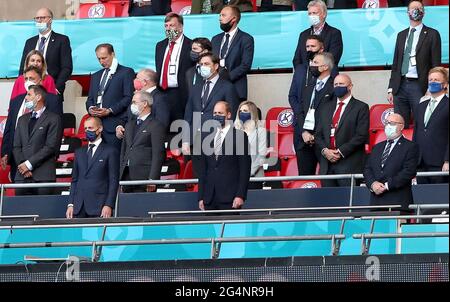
{"x":343,"y":86}
{"x":45,"y":11}
{"x":396,"y":118}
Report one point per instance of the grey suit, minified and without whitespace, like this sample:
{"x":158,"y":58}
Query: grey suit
{"x":40,"y":147}
{"x":142,"y":153}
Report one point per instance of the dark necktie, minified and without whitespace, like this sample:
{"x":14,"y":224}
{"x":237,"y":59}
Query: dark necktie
{"x":41,"y":46}
{"x":407,"y":52}
{"x":205,"y":93}
{"x":386,"y":152}
{"x":138,"y":125}
{"x":224,"y":50}
{"x":218,"y":144}
{"x":334,"y":124}
{"x":32,"y":122}
{"x":90,"y":152}
{"x":319,"y":86}
{"x":165,"y":74}
{"x":103,"y":81}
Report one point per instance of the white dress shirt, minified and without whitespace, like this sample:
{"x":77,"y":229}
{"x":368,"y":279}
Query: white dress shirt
{"x":412,"y":70}
{"x":232,"y":35}
{"x":223,"y":133}
{"x":172,"y":79}
{"x":47,"y":39}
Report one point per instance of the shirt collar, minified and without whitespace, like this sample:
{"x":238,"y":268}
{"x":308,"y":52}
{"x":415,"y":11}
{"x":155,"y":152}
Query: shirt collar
{"x":144,"y":117}
{"x":97,"y":142}
{"x":214,"y":79}
{"x":439,"y":98}
{"x":39,"y":112}
{"x":418,"y":28}
{"x":232,"y":33}
{"x":151,"y":89}
{"x":346,"y":100}
{"x":47,"y":35}
{"x":114,"y":65}
{"x":179,"y":40}
{"x":324,"y":80}
{"x":225,"y":130}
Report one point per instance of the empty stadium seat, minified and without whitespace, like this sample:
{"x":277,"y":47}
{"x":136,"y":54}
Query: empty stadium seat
{"x":98,"y":10}
{"x":303,"y":184}
{"x":181,"y":7}
{"x":280,"y":119}
{"x":289,"y":167}
{"x":69,"y":124}
{"x":81,"y":134}
{"x":286,"y":145}
{"x":372,"y":3}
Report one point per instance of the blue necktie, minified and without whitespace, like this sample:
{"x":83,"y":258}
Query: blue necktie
{"x":224,"y":50}
{"x":42,"y":45}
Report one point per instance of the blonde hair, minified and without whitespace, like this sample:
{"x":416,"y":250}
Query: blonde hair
{"x":440,"y":70}
{"x":38,"y":53}
{"x":253,"y":115}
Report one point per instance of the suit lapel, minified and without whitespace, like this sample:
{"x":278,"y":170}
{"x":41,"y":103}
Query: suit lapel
{"x":97,"y":153}
{"x":51,"y":41}
{"x":143,"y":127}
{"x":234,"y":41}
{"x":212,"y":92}
{"x":398,"y":146}
{"x":39,"y":122}
{"x":110,"y":79}
{"x":401,"y":43}
{"x":227,"y":137}
{"x":422,"y":37}
{"x":436,"y":110}
{"x":347,"y":111}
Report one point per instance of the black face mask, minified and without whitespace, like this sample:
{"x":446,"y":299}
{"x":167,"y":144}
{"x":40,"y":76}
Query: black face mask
{"x":226,"y":26}
{"x":314,"y":71}
{"x":310,"y":54}
{"x":195,"y":56}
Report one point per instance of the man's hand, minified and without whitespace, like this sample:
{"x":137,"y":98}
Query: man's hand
{"x":120,"y":132}
{"x":390,"y":98}
{"x":237,"y":203}
{"x":151,"y":188}
{"x":93,"y":110}
{"x":69,"y":213}
{"x":28,"y":174}
{"x":4,"y":161}
{"x":201,"y":206}
{"x":106,"y":212}
{"x":102,"y":112}
{"x":331,"y":155}
{"x":22,"y":168}
{"x":445,"y":167}
{"x":378,"y":188}
{"x":308,"y":138}
{"x":186,"y":149}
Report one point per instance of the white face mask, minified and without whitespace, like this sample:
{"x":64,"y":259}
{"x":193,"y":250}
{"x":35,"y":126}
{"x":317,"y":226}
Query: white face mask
{"x":30,"y":105}
{"x":314,"y":20}
{"x":390,"y":131}
{"x":27,"y":84}
{"x":135,"y":109}
{"x":42,"y":27}
{"x":205,"y":72}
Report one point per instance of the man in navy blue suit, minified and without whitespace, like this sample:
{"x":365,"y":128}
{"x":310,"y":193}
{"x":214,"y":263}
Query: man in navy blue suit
{"x":391,"y":166}
{"x":95,"y":176}
{"x":223,"y":183}
{"x":202,"y":99}
{"x":110,"y":93}
{"x":17,"y":109}
{"x":235,"y":48}
{"x":431,"y":127}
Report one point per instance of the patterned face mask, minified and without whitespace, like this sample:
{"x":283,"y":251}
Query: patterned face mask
{"x":172,"y":34}
{"x":416,"y":14}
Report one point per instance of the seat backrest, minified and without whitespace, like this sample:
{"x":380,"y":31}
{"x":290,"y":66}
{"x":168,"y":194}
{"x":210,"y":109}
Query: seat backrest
{"x":97,"y":10}
{"x":188,"y":171}
{"x":304,"y":184}
{"x":291,"y":168}
{"x":181,"y":7}
{"x":280,"y":120}
{"x":2,"y":125}
{"x":372,"y":3}
{"x":381,"y":136}
{"x":286,"y":145}
{"x":378,"y":115}
{"x":81,"y":131}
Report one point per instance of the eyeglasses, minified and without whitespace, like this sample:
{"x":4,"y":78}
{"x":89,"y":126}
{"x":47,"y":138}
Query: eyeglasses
{"x":41,"y":18}
{"x":392,"y":123}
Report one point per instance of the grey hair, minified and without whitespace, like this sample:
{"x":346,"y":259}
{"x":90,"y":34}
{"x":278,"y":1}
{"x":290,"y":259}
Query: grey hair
{"x":145,"y":96}
{"x":328,"y":59}
{"x":150,"y":75}
{"x":319,"y":3}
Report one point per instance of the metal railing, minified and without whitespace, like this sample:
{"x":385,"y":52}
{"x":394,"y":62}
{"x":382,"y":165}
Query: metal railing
{"x":34,"y":217}
{"x":352,"y":177}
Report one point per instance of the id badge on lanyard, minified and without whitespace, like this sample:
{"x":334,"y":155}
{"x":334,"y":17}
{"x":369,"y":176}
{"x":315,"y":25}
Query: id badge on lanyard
{"x":310,"y":120}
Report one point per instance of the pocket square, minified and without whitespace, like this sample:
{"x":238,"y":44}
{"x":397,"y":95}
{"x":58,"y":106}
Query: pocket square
{"x":100,"y":160}
{"x":144,"y":131}
{"x":40,"y":128}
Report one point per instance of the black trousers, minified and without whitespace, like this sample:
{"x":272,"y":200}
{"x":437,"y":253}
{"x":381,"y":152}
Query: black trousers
{"x":431,"y":179}
{"x":338,"y":182}
{"x":83,"y":214}
{"x":219,"y":206}
{"x":307,"y":160}
{"x":407,"y":99}
{"x":141,"y":11}
{"x":34,"y":191}
{"x":131,"y":189}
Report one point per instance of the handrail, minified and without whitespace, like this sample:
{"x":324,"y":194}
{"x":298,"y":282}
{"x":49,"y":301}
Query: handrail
{"x":389,"y":207}
{"x":429,"y":206}
{"x":167,"y":223}
{"x":19,"y":216}
{"x":401,"y":235}
{"x":403,"y":217}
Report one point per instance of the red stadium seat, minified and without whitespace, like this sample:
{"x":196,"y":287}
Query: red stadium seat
{"x":280,"y":119}
{"x":378,"y":114}
{"x":440,"y":2}
{"x":303,"y":184}
{"x":372,"y":3}
{"x":380,"y":136}
{"x":98,"y":10}
{"x":286,"y":145}
{"x":81,"y":134}
{"x":289,"y":167}
{"x":181,"y":7}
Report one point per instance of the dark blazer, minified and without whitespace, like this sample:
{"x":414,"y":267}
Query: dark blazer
{"x":227,"y":177}
{"x":40,"y":147}
{"x":351,"y":136}
{"x":239,"y":59}
{"x":58,"y":58}
{"x":184,"y":64}
{"x":52,"y":104}
{"x":433,"y":139}
{"x":94,"y":185}
{"x":117,"y":96}
{"x":143,"y":149}
{"x":160,"y":7}
{"x":332,"y":39}
{"x":428,"y":55}
{"x":398,"y":171}
{"x":223,"y":91}
{"x":160,"y":108}
{"x":192,"y":77}
{"x":324,"y":96}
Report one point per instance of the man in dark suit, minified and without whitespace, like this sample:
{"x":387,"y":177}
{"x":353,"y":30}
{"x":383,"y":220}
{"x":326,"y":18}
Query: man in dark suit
{"x":204,"y":96}
{"x":17,"y":109}
{"x":318,"y":93}
{"x":36,"y":143}
{"x":137,"y":8}
{"x":431,"y":127}
{"x":332,"y":37}
{"x":235,"y":48}
{"x":226,"y":165}
{"x":110,"y":93}
{"x":143,"y":151}
{"x":417,"y":50}
{"x":55,"y":48}
{"x":172,"y":58}
{"x":95,"y":176}
{"x":199,"y":47}
{"x":342,"y":133}
{"x":391,"y":167}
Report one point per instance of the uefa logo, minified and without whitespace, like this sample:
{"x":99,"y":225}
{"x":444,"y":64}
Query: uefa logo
{"x":97,"y":11}
{"x":371,"y":4}
{"x":285,"y":118}
{"x":309,"y":185}
{"x":185,"y":10}
{"x":385,"y":114}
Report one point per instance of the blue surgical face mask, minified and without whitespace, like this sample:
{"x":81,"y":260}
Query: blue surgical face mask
{"x":91,"y":135}
{"x":41,"y":27}
{"x":314,"y":20}
{"x":205,"y":72}
{"x":244,"y":116}
{"x":220,"y":119}
{"x":435,"y":87}
{"x":30,"y":105}
{"x":135,"y":109}
{"x":390,"y":131}
{"x":340,"y":91}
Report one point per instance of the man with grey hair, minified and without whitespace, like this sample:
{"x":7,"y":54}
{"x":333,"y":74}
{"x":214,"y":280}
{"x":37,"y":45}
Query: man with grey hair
{"x":54,"y":47}
{"x":143,"y":151}
{"x":318,"y":92}
{"x":332,"y":37}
